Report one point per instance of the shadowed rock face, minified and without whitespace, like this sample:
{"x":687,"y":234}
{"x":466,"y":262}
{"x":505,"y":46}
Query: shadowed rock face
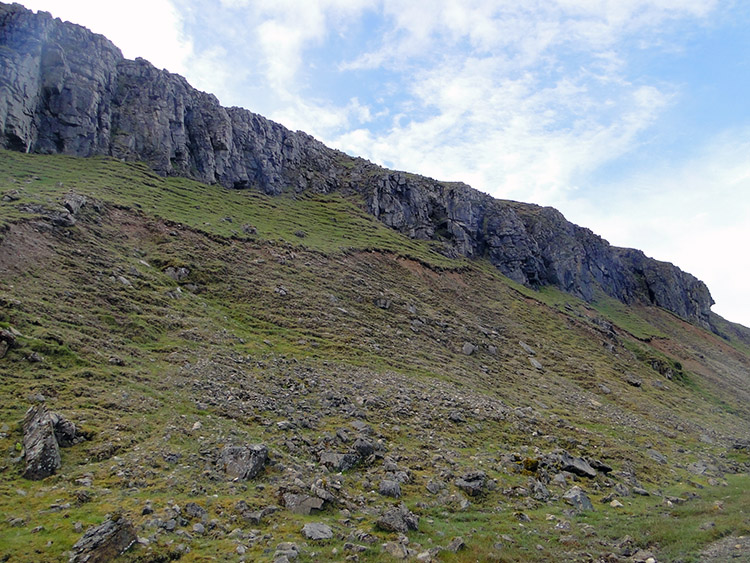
{"x":66,"y":90}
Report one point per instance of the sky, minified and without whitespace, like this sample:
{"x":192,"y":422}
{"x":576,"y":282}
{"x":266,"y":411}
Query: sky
{"x":632,"y":117}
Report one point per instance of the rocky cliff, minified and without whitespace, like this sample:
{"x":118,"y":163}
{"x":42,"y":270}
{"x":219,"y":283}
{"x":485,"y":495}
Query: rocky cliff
{"x":66,"y":90}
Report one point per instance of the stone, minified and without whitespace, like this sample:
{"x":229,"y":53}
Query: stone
{"x":472,"y":483}
{"x":632,"y":380}
{"x":536,"y":364}
{"x":74,"y":202}
{"x":65,"y":431}
{"x":177,"y":274}
{"x":396,"y":550}
{"x":389,"y":488}
{"x":600,"y":466}
{"x":578,"y":499}
{"x":243,"y":462}
{"x":658,"y":457}
{"x":194,"y":510}
{"x":41,"y":450}
{"x":317,"y":531}
{"x":301,"y":503}
{"x":468,"y":348}
{"x":576,"y":465}
{"x":287,"y":550}
{"x":456,"y":545}
{"x":7,"y":341}
{"x":338,"y":461}
{"x":398,"y":519}
{"x":433,"y":487}
{"x":364,"y":447}
{"x":101,"y":544}
{"x":526,"y":348}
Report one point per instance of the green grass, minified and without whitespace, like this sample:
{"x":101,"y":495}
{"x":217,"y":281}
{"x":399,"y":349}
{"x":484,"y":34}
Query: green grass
{"x":326,"y":223}
{"x":135,"y":366}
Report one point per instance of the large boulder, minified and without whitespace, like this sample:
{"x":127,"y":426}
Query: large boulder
{"x":576,"y":465}
{"x":42,"y":452}
{"x":398,"y":519}
{"x":472,"y":483}
{"x":578,"y":499}
{"x":103,"y":543}
{"x":243,"y":462}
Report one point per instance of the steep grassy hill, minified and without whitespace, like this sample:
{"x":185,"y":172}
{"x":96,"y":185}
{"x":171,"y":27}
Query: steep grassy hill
{"x":169,"y":319}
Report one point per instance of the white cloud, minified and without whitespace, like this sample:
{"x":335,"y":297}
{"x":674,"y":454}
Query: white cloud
{"x":140,"y":28}
{"x":695,"y":215}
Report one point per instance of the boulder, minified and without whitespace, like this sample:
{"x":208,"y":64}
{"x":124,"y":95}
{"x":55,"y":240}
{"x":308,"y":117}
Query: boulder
{"x":578,"y":499}
{"x":472,"y":483}
{"x":7,"y":341}
{"x":398,"y":519}
{"x":42,"y":452}
{"x":364,"y":447}
{"x":576,"y":465}
{"x":243,"y":462}
{"x":65,"y":431}
{"x":301,"y":503}
{"x":101,"y":544}
{"x":317,"y":531}
{"x":74,"y":202}
{"x":390,"y":488}
{"x":338,"y":461}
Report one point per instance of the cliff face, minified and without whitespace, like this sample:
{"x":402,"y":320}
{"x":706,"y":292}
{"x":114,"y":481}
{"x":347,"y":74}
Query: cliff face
{"x":64,"y":89}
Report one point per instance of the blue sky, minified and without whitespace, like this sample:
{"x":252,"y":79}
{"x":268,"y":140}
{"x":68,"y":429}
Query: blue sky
{"x":630,"y":116}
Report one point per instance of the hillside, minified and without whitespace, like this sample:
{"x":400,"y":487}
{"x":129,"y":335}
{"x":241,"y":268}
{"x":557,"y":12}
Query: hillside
{"x":222,"y":340}
{"x":169,"y":319}
{"x":67,"y":90}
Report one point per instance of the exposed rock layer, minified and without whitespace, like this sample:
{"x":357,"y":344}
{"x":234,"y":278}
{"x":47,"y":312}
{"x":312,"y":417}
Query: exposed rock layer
{"x":66,"y":90}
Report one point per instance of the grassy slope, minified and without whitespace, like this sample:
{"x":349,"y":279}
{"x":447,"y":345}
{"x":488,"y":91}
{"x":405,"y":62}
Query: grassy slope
{"x":268,"y":325}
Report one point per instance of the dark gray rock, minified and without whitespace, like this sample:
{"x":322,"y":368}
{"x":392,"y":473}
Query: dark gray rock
{"x":576,"y":465}
{"x":194,"y":510}
{"x":390,"y":488}
{"x":364,"y":447}
{"x":74,"y":202}
{"x":101,"y":544}
{"x":317,"y":531}
{"x":600,"y":466}
{"x":41,"y":450}
{"x":472,"y":483}
{"x":7,"y":341}
{"x":398,"y":519}
{"x":456,"y":545}
{"x":66,"y":433}
{"x":338,"y":461}
{"x":578,"y":499}
{"x":658,"y":457}
{"x":301,"y":503}
{"x":632,"y":380}
{"x":243,"y":462}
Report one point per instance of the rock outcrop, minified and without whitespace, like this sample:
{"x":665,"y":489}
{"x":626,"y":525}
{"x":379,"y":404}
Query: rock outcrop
{"x":41,"y":450}
{"x":66,"y":90}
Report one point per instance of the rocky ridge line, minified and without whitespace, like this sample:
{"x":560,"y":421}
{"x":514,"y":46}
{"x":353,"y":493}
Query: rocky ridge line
{"x":64,"y":89}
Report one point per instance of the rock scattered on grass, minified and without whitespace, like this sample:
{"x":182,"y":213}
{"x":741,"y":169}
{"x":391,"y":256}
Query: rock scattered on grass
{"x":103,"y":543}
{"x":317,"y":531}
